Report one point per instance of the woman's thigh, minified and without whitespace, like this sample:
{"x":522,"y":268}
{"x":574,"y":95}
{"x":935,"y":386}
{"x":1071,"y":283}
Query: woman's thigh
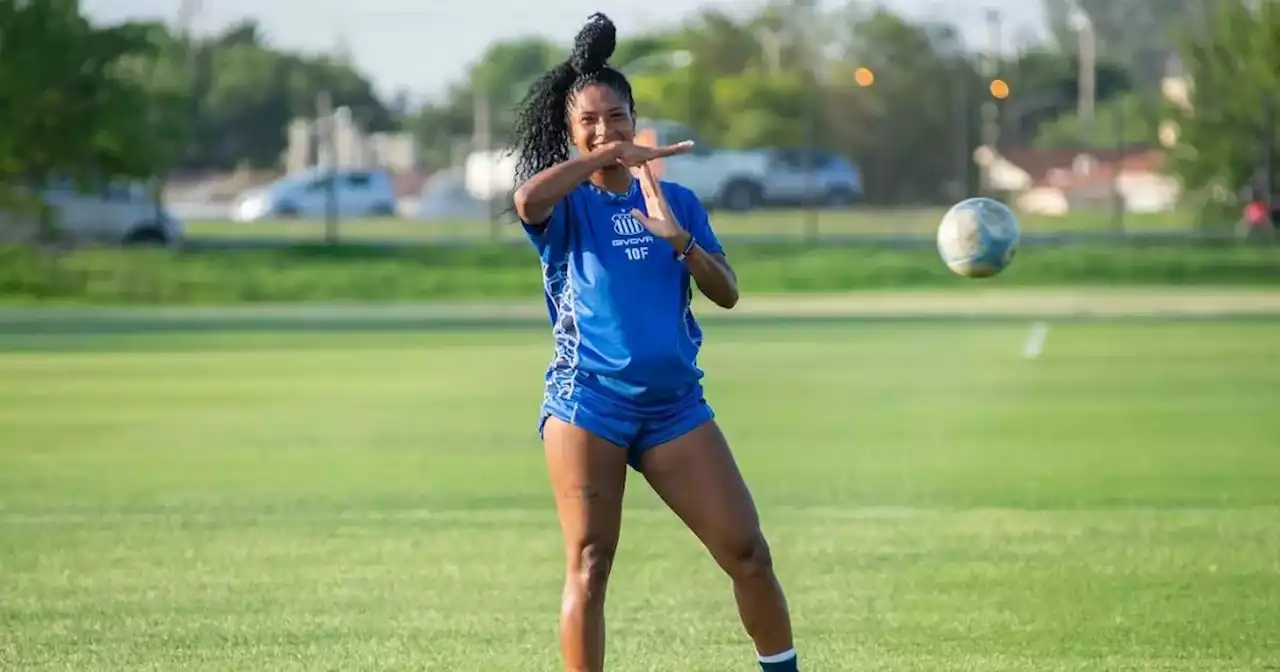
{"x":588,"y":477}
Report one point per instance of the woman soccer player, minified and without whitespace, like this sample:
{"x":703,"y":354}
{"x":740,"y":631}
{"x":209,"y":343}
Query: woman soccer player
{"x":618,"y":251}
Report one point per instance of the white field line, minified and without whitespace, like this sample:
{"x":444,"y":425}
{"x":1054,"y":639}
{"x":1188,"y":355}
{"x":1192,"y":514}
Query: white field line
{"x":1036,"y":336}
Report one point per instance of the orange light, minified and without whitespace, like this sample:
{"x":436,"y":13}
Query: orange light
{"x":864,"y":77}
{"x":999,"y":89}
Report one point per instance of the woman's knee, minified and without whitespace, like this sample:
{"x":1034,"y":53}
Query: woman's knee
{"x":590,"y":562}
{"x":747,"y":557}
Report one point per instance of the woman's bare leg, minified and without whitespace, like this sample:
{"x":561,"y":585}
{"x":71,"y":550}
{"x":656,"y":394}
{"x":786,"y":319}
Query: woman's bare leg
{"x":699,"y":480}
{"x":588,"y":476}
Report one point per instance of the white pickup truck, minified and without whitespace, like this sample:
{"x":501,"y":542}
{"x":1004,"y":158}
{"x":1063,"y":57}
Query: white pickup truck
{"x":729,"y":179}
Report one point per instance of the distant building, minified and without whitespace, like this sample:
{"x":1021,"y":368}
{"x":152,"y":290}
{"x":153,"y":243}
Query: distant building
{"x":348,"y":146}
{"x":1055,"y":181}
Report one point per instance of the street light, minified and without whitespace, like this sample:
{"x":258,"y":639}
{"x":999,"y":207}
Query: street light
{"x":999,"y":89}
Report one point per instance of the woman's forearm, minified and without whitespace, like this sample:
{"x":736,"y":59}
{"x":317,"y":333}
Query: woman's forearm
{"x":536,"y":199}
{"x":713,"y":275}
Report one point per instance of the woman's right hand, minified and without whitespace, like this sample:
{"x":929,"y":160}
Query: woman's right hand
{"x":631,"y":155}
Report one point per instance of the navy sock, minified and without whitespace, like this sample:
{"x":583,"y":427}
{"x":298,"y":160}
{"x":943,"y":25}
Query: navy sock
{"x":783,"y":662}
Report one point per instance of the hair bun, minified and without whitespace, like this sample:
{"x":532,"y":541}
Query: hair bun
{"x":594,"y":45}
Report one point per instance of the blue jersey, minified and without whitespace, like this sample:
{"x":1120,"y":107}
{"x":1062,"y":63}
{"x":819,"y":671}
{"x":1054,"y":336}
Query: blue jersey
{"x":618,"y":298}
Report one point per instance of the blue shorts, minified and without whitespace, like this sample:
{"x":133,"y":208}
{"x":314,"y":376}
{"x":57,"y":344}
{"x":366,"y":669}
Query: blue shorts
{"x":634,"y":428}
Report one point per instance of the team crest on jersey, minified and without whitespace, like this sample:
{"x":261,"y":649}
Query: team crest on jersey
{"x":624,"y":224}
{"x":631,"y":235}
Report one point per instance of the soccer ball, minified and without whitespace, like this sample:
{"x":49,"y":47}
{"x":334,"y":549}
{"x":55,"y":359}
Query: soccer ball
{"x":978,"y":237}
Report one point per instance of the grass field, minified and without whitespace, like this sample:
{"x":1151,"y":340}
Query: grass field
{"x":324,"y":499}
{"x":770,"y":223}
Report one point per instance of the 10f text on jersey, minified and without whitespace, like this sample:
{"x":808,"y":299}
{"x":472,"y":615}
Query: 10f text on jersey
{"x":631,"y":235}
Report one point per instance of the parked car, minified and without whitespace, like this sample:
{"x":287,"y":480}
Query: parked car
{"x":799,"y":176}
{"x":122,"y":212}
{"x":357,"y":193}
{"x":444,"y":197}
{"x":721,"y":178}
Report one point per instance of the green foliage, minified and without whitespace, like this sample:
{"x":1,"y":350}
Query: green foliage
{"x":761,"y":110}
{"x":664,"y":97}
{"x":1137,"y":33}
{"x":912,"y":131}
{"x":438,"y":128}
{"x":721,"y":44}
{"x":74,"y":101}
{"x":503,"y":75}
{"x":77,"y":103}
{"x":1231,"y":64}
{"x":241,"y":95}
{"x":131,"y":99}
{"x":782,"y":75}
{"x":1131,"y":120}
{"x":1045,"y":85}
{"x":741,"y":111}
{"x":637,"y":47}
{"x":323,"y":274}
{"x":507,"y":67}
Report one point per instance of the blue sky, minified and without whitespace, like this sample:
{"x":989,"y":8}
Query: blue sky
{"x":423,"y":45}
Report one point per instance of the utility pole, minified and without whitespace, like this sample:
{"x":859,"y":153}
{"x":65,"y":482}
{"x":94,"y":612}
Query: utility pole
{"x":990,"y":111}
{"x":482,"y":141}
{"x":187,"y":11}
{"x":960,"y":119}
{"x":325,"y":130}
{"x":1269,"y":156}
{"x":805,"y":22}
{"x":771,"y":46}
{"x":1020,"y":106}
{"x":1088,"y":59}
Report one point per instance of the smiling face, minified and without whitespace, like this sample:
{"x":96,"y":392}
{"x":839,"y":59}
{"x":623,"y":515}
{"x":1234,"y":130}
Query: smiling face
{"x":598,"y":115}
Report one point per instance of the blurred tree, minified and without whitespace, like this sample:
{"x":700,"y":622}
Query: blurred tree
{"x":234,"y":95}
{"x":632,"y":49}
{"x":664,"y":95}
{"x":749,"y":82}
{"x":721,"y":45}
{"x":911,"y":130}
{"x":73,"y":98}
{"x":246,"y":93}
{"x":760,"y":110}
{"x":440,"y":126}
{"x":506,"y":69}
{"x":503,"y":74}
{"x":1045,"y":85}
{"x":1136,"y":33}
{"x":1231,"y":64}
{"x":728,"y":56}
{"x":1131,"y":120}
{"x":75,"y":104}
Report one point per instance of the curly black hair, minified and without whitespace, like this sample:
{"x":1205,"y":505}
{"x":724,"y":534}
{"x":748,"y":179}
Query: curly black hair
{"x":541,"y":131}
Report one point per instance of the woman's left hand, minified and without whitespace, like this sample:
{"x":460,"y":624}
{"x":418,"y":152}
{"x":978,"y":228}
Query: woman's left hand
{"x":660,"y":221}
